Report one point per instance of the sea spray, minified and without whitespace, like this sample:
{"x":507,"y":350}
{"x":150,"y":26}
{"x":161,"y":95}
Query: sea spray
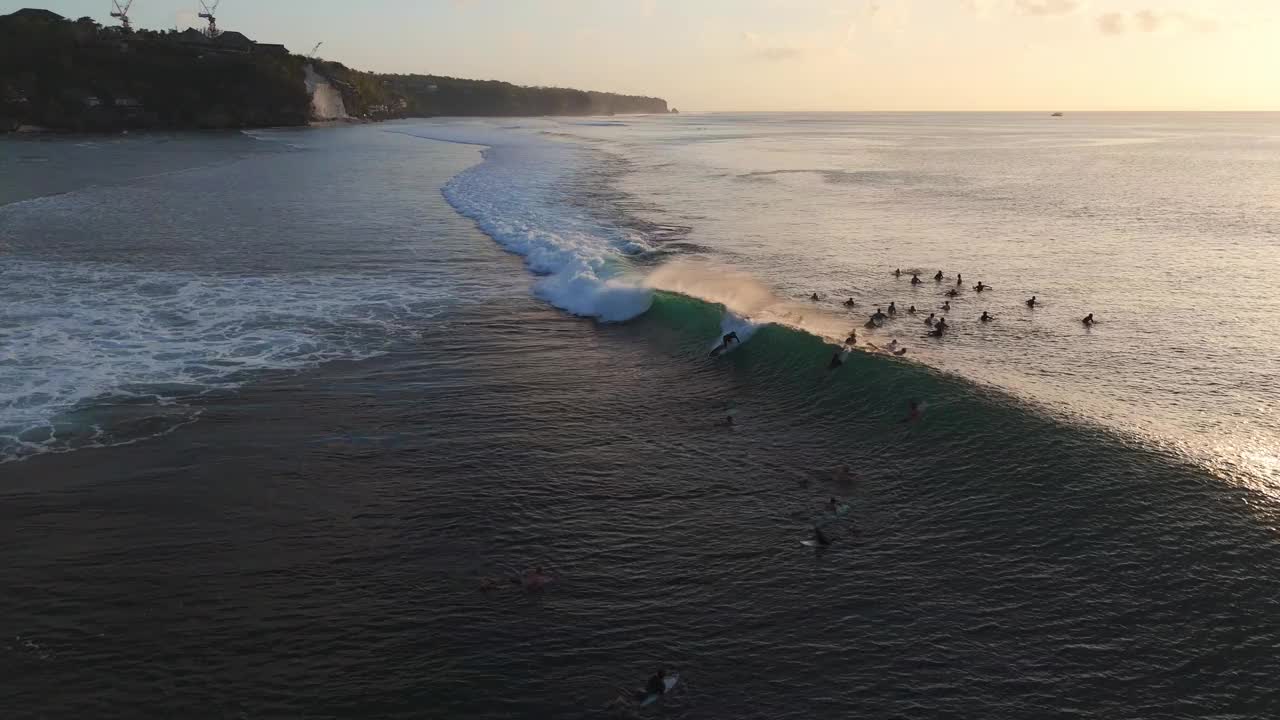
{"x":748,"y":301}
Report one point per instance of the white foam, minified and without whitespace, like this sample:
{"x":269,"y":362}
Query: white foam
{"x":743,"y":328}
{"x":517,"y":197}
{"x":71,"y":332}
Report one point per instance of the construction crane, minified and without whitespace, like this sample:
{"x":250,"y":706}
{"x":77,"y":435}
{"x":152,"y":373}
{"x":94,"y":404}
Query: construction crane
{"x":312,"y":55}
{"x":209,"y":10}
{"x":121,"y":13}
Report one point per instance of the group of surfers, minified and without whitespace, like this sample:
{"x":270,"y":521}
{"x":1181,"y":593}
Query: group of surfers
{"x":938,"y":327}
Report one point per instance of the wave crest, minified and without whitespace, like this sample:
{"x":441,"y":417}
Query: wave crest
{"x":515,"y":197}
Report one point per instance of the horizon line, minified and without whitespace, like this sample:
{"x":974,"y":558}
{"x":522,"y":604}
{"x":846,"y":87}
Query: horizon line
{"x":1021,"y":112}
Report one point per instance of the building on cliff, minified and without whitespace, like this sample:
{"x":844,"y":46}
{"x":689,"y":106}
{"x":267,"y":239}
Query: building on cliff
{"x":192,"y":36}
{"x":234,"y":41}
{"x":34,"y":15}
{"x":230,"y":41}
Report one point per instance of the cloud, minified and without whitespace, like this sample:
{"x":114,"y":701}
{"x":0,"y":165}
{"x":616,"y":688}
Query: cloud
{"x":764,"y":49}
{"x":778,"y":53}
{"x":888,"y":15}
{"x":981,"y":8}
{"x":1152,"y":21}
{"x":1046,"y":8}
{"x":1193,"y":22}
{"x":1147,"y":21}
{"x":1111,"y":23}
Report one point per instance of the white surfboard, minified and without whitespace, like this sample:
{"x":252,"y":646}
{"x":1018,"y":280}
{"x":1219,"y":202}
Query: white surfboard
{"x":670,"y":681}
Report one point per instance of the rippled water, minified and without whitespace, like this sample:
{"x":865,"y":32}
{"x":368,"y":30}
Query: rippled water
{"x":1165,"y":227}
{"x":347,"y":409}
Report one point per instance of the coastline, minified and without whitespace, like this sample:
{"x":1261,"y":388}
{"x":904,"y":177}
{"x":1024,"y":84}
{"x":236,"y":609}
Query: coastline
{"x":134,"y":79}
{"x":38,"y":132}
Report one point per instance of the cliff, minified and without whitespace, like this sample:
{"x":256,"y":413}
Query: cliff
{"x":326,"y":102}
{"x":76,"y":75}
{"x":378,"y":96}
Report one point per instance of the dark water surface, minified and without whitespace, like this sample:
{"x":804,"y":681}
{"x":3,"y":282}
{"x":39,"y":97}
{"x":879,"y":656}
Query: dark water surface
{"x":313,"y":547}
{"x":314,"y":544}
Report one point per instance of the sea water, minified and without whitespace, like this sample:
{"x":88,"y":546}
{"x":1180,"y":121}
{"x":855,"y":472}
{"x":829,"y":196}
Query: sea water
{"x":273,"y":407}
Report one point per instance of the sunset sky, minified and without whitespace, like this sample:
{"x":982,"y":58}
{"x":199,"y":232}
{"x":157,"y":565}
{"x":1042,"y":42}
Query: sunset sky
{"x":795,"y":54}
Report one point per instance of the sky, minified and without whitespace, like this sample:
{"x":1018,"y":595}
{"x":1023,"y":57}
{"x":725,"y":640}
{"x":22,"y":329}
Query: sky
{"x":792,"y":55}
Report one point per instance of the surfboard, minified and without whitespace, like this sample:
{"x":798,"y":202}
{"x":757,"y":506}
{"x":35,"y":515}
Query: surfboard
{"x":670,"y":681}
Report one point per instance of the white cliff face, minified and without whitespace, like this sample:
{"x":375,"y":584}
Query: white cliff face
{"x":326,"y":102}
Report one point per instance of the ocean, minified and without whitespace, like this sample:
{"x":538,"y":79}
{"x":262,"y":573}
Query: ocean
{"x":283,"y":413}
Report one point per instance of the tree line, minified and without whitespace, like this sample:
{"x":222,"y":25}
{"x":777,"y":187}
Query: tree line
{"x":77,"y":75}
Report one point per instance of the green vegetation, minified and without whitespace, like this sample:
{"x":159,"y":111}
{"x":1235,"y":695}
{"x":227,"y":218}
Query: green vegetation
{"x":374,"y":95}
{"x":77,"y":75}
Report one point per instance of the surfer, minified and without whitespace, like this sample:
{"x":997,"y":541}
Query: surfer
{"x":535,"y":579}
{"x":915,"y":279}
{"x":853,"y":337}
{"x":814,"y":297}
{"x":893,"y":309}
{"x":946,"y":306}
{"x":915,"y":409}
{"x":897,"y":273}
{"x":959,"y":280}
{"x":980,"y":287}
{"x":849,"y":303}
{"x":657,"y":684}
{"x":819,"y":538}
{"x":841,"y":475}
{"x":1088,"y":320}
{"x":985,"y":317}
{"x":929,"y":320}
{"x":724,"y":343}
{"x":1032,"y":302}
{"x":938,"y":277}
{"x":911,"y":310}
{"x":940,"y":328}
{"x":835,"y":361}
{"x":953,"y":293}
